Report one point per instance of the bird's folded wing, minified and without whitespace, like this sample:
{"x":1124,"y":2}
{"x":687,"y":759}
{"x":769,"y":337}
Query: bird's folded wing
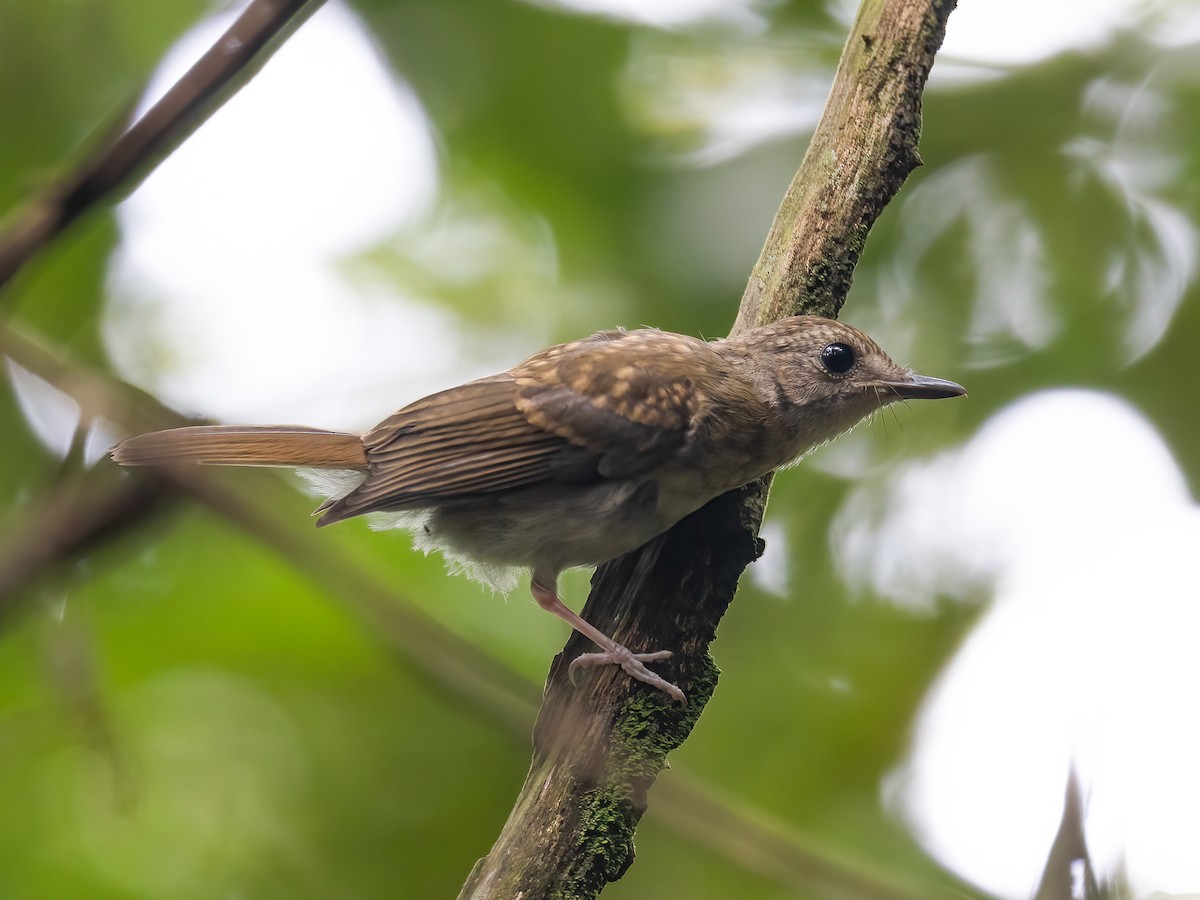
{"x":567,"y":414}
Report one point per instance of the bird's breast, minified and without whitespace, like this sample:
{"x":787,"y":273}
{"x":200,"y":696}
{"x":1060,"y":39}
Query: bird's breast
{"x":552,"y":526}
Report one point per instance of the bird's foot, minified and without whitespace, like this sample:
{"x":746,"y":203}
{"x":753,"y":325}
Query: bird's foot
{"x":633,"y":664}
{"x":612,"y":653}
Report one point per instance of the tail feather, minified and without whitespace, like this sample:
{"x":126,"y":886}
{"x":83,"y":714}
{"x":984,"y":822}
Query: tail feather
{"x":244,"y":445}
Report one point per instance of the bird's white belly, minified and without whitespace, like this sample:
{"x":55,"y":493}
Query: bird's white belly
{"x":547,"y":529}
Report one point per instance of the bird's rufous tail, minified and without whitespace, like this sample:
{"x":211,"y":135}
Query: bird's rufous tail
{"x":244,"y":445}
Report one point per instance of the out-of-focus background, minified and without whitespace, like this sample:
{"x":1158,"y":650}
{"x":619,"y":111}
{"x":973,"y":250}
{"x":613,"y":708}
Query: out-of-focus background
{"x":960,"y":602}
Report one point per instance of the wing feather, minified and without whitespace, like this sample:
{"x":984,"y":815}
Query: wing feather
{"x":468,"y":440}
{"x":576,"y":412}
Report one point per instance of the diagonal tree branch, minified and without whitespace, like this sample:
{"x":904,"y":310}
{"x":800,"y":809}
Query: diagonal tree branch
{"x":598,"y":750}
{"x":119,"y":166}
{"x":76,"y":516}
{"x":88,"y":509}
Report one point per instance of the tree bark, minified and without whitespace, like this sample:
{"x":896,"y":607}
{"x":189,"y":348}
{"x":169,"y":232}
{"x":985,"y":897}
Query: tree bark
{"x":598,"y":748}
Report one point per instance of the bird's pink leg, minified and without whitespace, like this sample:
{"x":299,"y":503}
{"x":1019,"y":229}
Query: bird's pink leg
{"x":611,"y":653}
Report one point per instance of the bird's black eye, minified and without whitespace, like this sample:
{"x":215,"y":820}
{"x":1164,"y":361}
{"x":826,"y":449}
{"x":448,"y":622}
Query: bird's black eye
{"x":837,"y":358}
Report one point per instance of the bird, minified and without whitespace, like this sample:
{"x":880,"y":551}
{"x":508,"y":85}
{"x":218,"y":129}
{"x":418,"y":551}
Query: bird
{"x":580,"y":453}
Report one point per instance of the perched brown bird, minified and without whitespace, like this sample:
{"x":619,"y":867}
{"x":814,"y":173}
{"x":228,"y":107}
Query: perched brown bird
{"x":583,"y":452}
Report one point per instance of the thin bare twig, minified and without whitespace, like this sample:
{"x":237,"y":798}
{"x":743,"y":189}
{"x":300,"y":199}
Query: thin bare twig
{"x":117,"y":167}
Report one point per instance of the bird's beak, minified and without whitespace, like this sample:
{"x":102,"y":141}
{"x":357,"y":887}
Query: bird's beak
{"x":922,"y":387}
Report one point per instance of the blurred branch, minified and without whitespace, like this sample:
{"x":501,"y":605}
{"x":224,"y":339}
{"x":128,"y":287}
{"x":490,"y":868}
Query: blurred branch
{"x":774,"y":850}
{"x":464,"y":672}
{"x":598,"y":750}
{"x":118,"y":167}
{"x":1069,"y":873}
{"x":99,"y":505}
{"x":66,"y":522}
{"x":103,"y":504}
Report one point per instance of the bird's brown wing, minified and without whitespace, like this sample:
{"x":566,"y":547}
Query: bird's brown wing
{"x":628,"y":397}
{"x":571,"y":413}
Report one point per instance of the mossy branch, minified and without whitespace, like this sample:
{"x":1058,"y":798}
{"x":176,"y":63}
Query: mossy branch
{"x":599,"y":748}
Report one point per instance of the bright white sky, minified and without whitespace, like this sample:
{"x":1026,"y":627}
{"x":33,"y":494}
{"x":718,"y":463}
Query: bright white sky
{"x":239,"y":273}
{"x":230,"y":255}
{"x":1067,"y":510}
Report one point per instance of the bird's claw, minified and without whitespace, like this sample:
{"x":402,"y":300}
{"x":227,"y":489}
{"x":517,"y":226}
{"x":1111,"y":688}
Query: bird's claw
{"x":633,"y":664}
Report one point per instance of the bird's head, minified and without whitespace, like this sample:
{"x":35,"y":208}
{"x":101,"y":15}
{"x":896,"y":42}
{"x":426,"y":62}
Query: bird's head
{"x":829,"y":375}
